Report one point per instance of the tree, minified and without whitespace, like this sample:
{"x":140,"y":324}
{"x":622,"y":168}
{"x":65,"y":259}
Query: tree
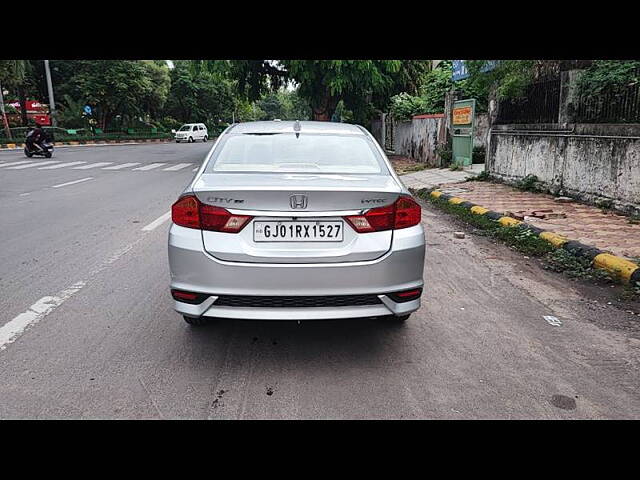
{"x":16,"y":75}
{"x":71,"y":113}
{"x":363,"y":85}
{"x":197,"y":95}
{"x":285,"y":105}
{"x":116,"y":89}
{"x":155,"y":97}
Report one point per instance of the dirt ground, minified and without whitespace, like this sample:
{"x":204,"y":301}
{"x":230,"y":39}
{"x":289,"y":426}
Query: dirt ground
{"x":403,"y":164}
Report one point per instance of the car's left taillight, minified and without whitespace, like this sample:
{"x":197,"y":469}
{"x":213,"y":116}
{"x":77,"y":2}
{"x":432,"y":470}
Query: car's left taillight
{"x":404,"y":213}
{"x":189,"y":212}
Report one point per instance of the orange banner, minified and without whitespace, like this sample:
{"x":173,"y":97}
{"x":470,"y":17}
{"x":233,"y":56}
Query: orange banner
{"x":462,"y":116}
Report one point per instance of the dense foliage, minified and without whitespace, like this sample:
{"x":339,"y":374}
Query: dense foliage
{"x":609,"y":75}
{"x":431,"y":94}
{"x":364,"y":86}
{"x":147,"y":93}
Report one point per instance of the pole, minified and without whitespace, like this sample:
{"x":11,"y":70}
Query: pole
{"x":4,"y":115}
{"x":52,"y":102}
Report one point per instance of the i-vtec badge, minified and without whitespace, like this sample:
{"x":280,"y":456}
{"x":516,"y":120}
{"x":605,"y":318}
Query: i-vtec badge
{"x":369,"y":201}
{"x":298,"y":201}
{"x":223,"y":200}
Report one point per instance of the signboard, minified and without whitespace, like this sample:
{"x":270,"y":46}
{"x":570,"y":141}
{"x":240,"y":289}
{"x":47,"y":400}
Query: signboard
{"x":460,"y":71}
{"x":32,"y":106}
{"x":87,"y":109}
{"x":462,"y":115}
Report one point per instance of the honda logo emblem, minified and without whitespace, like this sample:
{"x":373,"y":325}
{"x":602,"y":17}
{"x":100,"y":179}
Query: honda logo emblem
{"x":298,"y":201}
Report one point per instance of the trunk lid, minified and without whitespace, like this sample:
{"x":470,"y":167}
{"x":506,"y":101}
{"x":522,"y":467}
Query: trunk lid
{"x":277,"y":197}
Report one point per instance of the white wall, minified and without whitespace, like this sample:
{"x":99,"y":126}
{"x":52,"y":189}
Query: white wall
{"x":589,"y":166}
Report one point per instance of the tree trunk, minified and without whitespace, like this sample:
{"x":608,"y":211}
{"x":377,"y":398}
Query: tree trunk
{"x":22,"y":98}
{"x":324,"y":107}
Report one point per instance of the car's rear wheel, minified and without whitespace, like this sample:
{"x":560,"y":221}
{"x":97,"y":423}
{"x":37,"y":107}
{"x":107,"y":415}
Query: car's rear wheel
{"x":196,"y":321}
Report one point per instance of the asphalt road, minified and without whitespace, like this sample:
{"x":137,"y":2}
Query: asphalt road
{"x":88,"y":283}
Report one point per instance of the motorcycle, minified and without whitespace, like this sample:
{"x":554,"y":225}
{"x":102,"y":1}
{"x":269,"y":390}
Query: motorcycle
{"x":44,"y":148}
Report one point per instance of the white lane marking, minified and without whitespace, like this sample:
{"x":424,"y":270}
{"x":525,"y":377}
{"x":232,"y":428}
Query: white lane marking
{"x":177,"y":167}
{"x":25,"y":194}
{"x":68,"y":164}
{"x":157,"y":222}
{"x":11,"y":330}
{"x":72,"y":183}
{"x":124,"y":165}
{"x":551,"y":320}
{"x":92,"y":165}
{"x":16,"y":163}
{"x":38,"y":164}
{"x":195,"y":169}
{"x":149,"y":167}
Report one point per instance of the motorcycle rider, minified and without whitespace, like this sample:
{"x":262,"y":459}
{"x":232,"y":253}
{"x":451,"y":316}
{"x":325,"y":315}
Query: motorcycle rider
{"x":35,"y":137}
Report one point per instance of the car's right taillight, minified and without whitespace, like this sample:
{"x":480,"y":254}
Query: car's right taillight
{"x":404,"y":213}
{"x":189,"y":212}
{"x":408,"y":213}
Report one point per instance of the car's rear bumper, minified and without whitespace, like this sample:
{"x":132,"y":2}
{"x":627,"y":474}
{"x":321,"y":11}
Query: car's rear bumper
{"x":194,"y":270}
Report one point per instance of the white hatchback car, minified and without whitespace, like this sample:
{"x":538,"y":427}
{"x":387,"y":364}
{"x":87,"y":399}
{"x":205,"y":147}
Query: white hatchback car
{"x":190,"y":132}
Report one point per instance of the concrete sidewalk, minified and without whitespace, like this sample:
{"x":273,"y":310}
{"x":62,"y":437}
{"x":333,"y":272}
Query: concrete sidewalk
{"x":432,"y":177}
{"x":587,"y":224}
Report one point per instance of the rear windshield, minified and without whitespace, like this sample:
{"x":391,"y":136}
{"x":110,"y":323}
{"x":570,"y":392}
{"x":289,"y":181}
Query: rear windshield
{"x":308,"y":153}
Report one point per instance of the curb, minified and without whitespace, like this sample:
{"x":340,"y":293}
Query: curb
{"x":72,"y":143}
{"x":621,"y":267}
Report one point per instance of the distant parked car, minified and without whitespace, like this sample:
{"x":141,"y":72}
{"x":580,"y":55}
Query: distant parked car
{"x":190,"y":132}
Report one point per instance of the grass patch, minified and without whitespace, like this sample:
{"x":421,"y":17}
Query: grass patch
{"x":529,"y":243}
{"x":415,"y":168}
{"x":528,"y":184}
{"x":634,"y":219}
{"x":520,"y":239}
{"x":481,"y":177}
{"x":561,"y":261}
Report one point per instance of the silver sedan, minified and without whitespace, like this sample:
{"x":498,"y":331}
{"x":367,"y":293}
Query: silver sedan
{"x":296,"y":221}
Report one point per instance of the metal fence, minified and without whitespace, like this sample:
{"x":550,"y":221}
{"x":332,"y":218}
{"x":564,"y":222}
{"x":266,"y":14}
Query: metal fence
{"x":539,"y":104}
{"x":611,"y":106}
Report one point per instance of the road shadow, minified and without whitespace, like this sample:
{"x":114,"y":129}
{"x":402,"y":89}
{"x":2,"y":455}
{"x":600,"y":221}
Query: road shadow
{"x":370,"y":342}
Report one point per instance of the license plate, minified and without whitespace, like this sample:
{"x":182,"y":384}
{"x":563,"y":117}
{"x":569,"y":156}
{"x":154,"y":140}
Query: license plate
{"x":315,"y":231}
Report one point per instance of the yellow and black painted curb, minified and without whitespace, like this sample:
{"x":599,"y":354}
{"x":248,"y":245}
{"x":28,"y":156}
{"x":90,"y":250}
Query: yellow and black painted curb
{"x":625,"y":269}
{"x":91,"y":142}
